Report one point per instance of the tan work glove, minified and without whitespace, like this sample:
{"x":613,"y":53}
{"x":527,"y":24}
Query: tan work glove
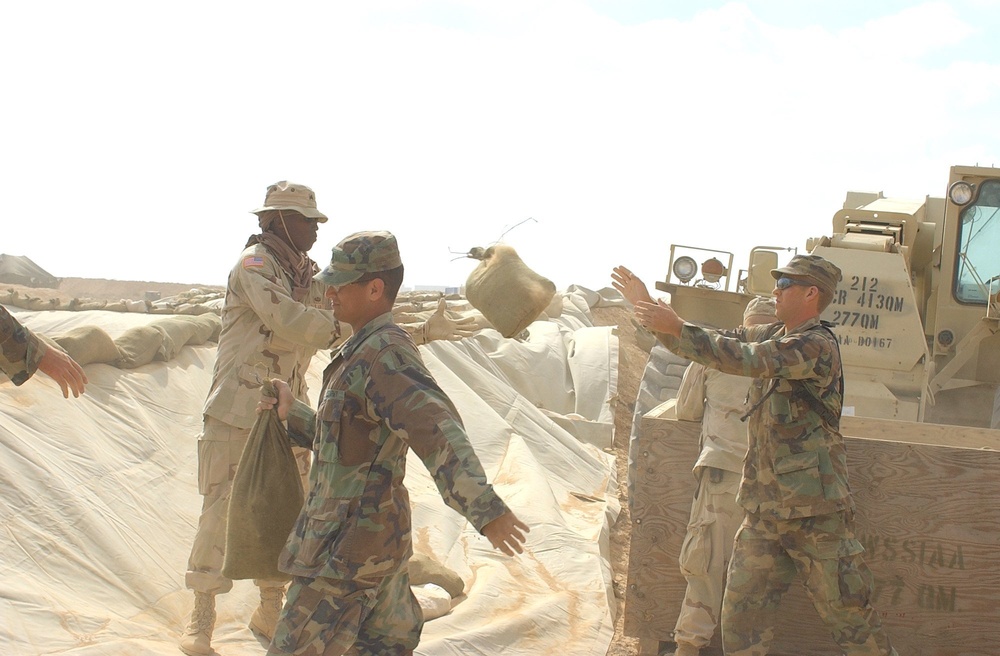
{"x":440,"y":326}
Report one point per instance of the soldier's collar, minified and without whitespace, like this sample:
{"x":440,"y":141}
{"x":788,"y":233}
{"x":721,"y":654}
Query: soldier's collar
{"x":358,"y":338}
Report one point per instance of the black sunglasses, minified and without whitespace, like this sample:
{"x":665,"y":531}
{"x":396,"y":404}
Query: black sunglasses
{"x":785,"y":283}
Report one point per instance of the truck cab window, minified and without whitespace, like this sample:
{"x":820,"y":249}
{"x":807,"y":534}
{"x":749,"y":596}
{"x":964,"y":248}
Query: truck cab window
{"x":977,"y":266}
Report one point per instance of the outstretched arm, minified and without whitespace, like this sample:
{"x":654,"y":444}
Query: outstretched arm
{"x":659,"y":317}
{"x":440,"y":326}
{"x":630,"y":286}
{"x":22,"y":353}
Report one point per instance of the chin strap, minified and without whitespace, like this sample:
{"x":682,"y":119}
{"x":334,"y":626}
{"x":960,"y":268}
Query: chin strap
{"x":285,"y":228}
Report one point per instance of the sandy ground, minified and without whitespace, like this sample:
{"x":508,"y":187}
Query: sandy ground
{"x":99,"y":289}
{"x":115,"y":290}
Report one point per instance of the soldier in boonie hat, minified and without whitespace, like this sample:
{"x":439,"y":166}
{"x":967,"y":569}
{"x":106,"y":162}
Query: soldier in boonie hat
{"x":822,"y":273}
{"x":359,"y":254}
{"x":270,"y":292}
{"x":287,"y":195}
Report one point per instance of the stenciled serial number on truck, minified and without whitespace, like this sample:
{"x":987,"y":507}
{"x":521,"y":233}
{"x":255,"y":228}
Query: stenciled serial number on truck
{"x":852,"y":319}
{"x":870,"y":301}
{"x":864,"y":341}
{"x":870,"y":296}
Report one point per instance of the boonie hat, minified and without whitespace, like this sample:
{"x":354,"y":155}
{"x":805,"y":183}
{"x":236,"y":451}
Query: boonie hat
{"x":358,"y":254}
{"x":287,"y":195}
{"x":823,"y":273}
{"x":759,"y":310}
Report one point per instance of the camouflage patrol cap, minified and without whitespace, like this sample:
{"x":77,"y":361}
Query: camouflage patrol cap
{"x":358,"y":254}
{"x":823,"y":273}
{"x":760,"y":310}
{"x":287,"y":195}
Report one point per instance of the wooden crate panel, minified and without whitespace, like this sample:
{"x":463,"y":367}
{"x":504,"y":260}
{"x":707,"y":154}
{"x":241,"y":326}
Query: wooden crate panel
{"x":928,"y":515}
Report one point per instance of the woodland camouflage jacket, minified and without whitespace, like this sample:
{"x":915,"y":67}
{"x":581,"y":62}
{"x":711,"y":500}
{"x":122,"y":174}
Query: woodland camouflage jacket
{"x":20,"y":349}
{"x":796,"y":465}
{"x":378,"y":401}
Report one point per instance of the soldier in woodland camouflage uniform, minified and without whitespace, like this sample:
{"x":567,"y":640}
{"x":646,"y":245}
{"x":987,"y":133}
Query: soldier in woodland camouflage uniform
{"x":274,"y":319}
{"x":349,"y":550}
{"x":795,"y":489}
{"x":22,"y":353}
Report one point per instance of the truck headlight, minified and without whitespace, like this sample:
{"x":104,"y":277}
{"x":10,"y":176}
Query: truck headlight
{"x":685,"y":268}
{"x":960,"y":192}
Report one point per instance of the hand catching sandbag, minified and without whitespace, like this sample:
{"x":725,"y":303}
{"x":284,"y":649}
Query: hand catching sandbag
{"x":440,"y":326}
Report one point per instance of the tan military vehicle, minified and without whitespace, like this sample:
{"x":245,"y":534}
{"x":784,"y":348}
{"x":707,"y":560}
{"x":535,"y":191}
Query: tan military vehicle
{"x":917,"y":312}
{"x":917,"y":317}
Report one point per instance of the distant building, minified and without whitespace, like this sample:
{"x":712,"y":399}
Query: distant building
{"x":444,"y":289}
{"x":20,"y":270}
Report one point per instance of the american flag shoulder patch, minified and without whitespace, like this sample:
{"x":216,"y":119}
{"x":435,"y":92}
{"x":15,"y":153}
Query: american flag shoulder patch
{"x":253,"y":261}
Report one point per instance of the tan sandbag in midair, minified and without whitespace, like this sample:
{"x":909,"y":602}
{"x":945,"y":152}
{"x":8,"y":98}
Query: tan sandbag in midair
{"x":265,"y":502}
{"x":505,"y":290}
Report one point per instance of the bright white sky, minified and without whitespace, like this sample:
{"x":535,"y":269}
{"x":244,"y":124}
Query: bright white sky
{"x":136,"y":136}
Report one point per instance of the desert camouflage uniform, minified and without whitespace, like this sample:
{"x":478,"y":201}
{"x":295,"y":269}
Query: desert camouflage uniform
{"x":795,"y":487}
{"x":20,"y":349}
{"x":718,"y":400}
{"x":265,"y":334}
{"x":349,"y":549}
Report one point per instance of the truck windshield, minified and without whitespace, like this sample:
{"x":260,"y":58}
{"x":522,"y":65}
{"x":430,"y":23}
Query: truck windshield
{"x":978,"y":263}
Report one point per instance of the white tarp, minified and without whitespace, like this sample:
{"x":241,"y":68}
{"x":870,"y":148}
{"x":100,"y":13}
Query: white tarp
{"x":99,"y":501}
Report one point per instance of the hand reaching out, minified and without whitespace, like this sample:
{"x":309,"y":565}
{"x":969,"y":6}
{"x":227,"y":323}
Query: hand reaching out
{"x":59,"y":366}
{"x":441,"y":326}
{"x":658,"y":317}
{"x":630,"y":286}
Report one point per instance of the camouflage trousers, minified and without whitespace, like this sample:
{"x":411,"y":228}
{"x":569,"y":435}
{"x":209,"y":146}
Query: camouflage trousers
{"x":219,"y":449}
{"x":823,"y":551}
{"x":715,"y":517}
{"x":327,"y":617}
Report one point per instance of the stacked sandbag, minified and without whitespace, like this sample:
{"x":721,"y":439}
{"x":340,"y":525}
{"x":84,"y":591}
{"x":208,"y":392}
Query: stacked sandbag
{"x":89,"y":344}
{"x":138,"y":346}
{"x":181,"y":331}
{"x":162,"y":339}
{"x":506,"y":291}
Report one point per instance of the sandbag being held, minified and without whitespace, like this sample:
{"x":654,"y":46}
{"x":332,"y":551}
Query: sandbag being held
{"x":505,"y":290}
{"x":265,"y":501}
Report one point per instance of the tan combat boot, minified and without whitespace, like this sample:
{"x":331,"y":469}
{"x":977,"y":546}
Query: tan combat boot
{"x":265,"y":618}
{"x":197,"y":637}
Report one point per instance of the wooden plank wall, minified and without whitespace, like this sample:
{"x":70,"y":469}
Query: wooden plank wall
{"x":928,"y":514}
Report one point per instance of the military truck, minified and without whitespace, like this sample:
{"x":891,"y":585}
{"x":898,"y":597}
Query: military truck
{"x":917,"y":319}
{"x":917,"y":311}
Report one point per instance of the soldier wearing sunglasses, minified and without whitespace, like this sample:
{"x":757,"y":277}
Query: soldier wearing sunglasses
{"x":799,"y":511}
